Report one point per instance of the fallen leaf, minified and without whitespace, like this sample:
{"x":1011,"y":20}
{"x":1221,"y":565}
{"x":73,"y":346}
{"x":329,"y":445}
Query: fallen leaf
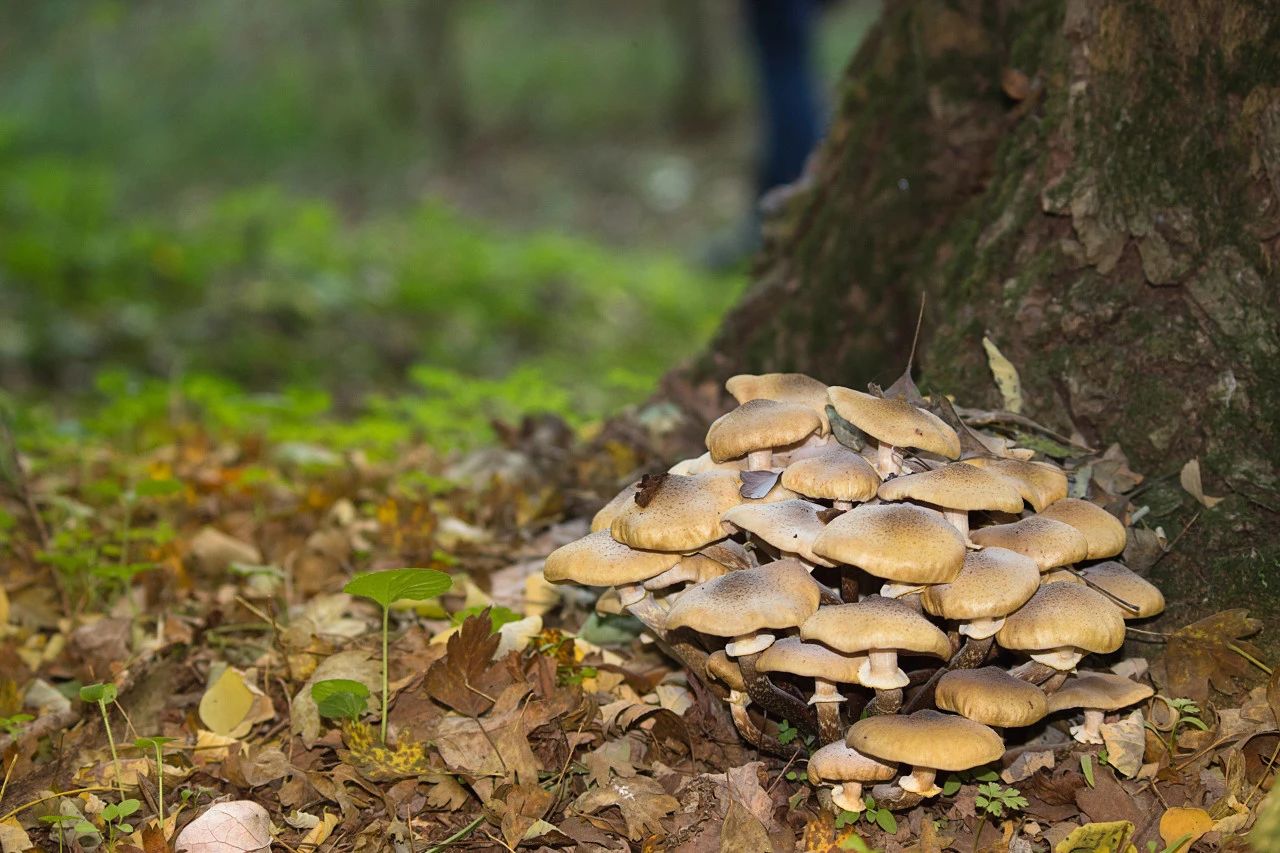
{"x":612,"y":756}
{"x":1026,"y":764}
{"x":319,"y":833}
{"x":1200,"y":653}
{"x":642,"y":801}
{"x":214,"y":551}
{"x":742,"y":831}
{"x":353,"y":664}
{"x":648,"y":487}
{"x":1126,"y":742}
{"x":1184,"y":825}
{"x":465,"y":678}
{"x":226,"y":703}
{"x":1190,"y":480}
{"x":240,"y":826}
{"x":1006,"y":376}
{"x":1110,"y":837}
{"x":757,"y":484}
{"x":13,"y":838}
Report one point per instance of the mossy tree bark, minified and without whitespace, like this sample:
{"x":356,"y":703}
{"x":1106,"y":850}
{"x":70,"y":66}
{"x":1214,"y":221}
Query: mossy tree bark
{"x":1096,"y":185}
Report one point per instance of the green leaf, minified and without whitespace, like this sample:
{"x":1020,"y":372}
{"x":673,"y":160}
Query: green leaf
{"x":340,"y":698}
{"x":393,"y":585}
{"x":950,"y":786}
{"x":854,"y":842}
{"x":1086,"y":767}
{"x":846,"y":819}
{"x":98,"y":693}
{"x":886,"y":821}
{"x":987,"y":775}
{"x":157,"y":488}
{"x":127,"y":807}
{"x":152,"y":743}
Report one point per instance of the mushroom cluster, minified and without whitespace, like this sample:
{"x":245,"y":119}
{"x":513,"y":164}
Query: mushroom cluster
{"x":871,"y":570}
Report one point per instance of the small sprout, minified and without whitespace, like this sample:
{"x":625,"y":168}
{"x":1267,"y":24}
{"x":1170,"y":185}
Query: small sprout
{"x":340,"y":698}
{"x":1086,"y":767}
{"x":13,"y":724}
{"x":102,"y":694}
{"x":156,"y":744}
{"x":995,"y":799}
{"x":787,"y":732}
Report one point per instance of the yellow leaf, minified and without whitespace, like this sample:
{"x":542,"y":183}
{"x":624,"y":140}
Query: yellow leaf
{"x":1112,"y":837}
{"x":319,"y":833}
{"x":4,"y":607}
{"x":1184,"y":825}
{"x":13,"y":838}
{"x":226,"y":703}
{"x":1006,"y":376}
{"x":1190,"y":480}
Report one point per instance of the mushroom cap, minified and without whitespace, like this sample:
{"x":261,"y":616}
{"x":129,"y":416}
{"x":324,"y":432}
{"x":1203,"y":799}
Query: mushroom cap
{"x":776,"y":595}
{"x":783,"y":387}
{"x":1049,"y":542}
{"x":1064,"y":614}
{"x":793,"y":655}
{"x":991,"y":696}
{"x":895,"y":422}
{"x":699,"y":464}
{"x":1100,"y":691}
{"x":1126,"y":585}
{"x":694,"y":568}
{"x":598,"y":560}
{"x":1061,"y":576}
{"x":836,"y":473}
{"x":958,"y":487}
{"x":875,"y":623}
{"x":760,"y":425}
{"x":898,"y":542}
{"x":791,"y":526}
{"x":927,"y":739}
{"x":607,"y":513}
{"x":993,"y":582}
{"x":839,"y":762}
{"x":1103,"y":531}
{"x":1039,"y":482}
{"x":725,"y":668}
{"x":683,"y":514}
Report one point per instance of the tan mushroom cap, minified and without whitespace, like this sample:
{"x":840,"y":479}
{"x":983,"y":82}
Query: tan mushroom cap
{"x":1049,"y":542}
{"x":607,"y":513}
{"x":703,"y":463}
{"x":958,"y":487}
{"x":1103,"y":531}
{"x":812,"y":660}
{"x":836,"y":473}
{"x":1099,"y":690}
{"x":1064,"y":615}
{"x":895,"y":422}
{"x":875,"y":623}
{"x":927,"y":739}
{"x":897,"y":542}
{"x":760,"y":425}
{"x":993,"y":582}
{"x":725,"y":668}
{"x":991,"y":696}
{"x":776,"y":595}
{"x":839,"y":762}
{"x":694,"y":568}
{"x":1039,"y":482}
{"x":784,"y":388}
{"x":683,"y":515}
{"x":598,"y":560}
{"x":790,"y":526}
{"x":1128,"y":586}
{"x":1061,"y":576}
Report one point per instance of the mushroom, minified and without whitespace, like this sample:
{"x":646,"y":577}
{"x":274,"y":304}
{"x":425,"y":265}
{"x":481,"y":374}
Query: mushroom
{"x":881,"y":627}
{"x":692,"y":569}
{"x":1039,"y":482}
{"x":790,"y":526}
{"x":1102,"y":530}
{"x":681,"y":514}
{"x":1050,"y":543}
{"x":929,"y":742}
{"x":845,"y":769}
{"x":1096,"y":693}
{"x":956,"y":490}
{"x":598,"y":560}
{"x":991,"y":696}
{"x":607,"y":513}
{"x":894,"y":423}
{"x":898,"y":542}
{"x":704,"y":463}
{"x":756,"y":428}
{"x":1127,"y":586}
{"x":827,"y":668}
{"x":784,"y":388}
{"x":993,"y":583}
{"x":836,"y":474}
{"x":1062,"y":623}
{"x":723,"y":668}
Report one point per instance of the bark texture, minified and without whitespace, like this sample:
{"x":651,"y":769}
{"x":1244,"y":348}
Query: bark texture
{"x":1096,"y":185}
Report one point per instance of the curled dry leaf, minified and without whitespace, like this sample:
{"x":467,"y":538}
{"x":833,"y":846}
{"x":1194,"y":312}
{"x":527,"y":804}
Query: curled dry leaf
{"x":1006,"y":376}
{"x":642,"y":801}
{"x":240,"y":826}
{"x":1190,"y":480}
{"x":1126,"y":741}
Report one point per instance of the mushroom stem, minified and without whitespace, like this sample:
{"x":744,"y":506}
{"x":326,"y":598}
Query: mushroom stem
{"x":827,"y":595}
{"x":1090,"y":732}
{"x":1033,"y":671}
{"x":827,"y":698}
{"x":630,"y":593}
{"x":1053,"y":682}
{"x":959,"y":519}
{"x":920,"y":782}
{"x":760,"y":460}
{"x":650,"y":614}
{"x":775,"y":702}
{"x":751,"y":732}
{"x":850,"y":589}
{"x":881,"y":671}
{"x":886,"y":463}
{"x":847,"y":796}
{"x":885,"y":702}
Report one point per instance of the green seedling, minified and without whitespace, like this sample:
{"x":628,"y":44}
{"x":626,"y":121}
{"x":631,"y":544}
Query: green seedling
{"x":1186,"y":713}
{"x":994,"y":801}
{"x":156,"y":744}
{"x":102,"y":694}
{"x":788,"y":733}
{"x":340,"y":698}
{"x":384,"y":589}
{"x":870,"y":813}
{"x":114,"y":814}
{"x":58,"y":823}
{"x":12,"y":725}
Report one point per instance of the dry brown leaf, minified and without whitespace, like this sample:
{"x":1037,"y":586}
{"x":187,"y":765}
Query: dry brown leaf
{"x":240,"y":826}
{"x":742,"y":830}
{"x":1199,"y":654}
{"x":612,"y":756}
{"x":465,"y":679}
{"x":1026,"y":764}
{"x":642,"y":801}
{"x":1126,"y":742}
{"x":1190,"y":480}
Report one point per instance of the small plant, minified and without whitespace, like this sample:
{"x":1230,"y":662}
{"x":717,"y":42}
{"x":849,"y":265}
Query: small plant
{"x":993,"y":801}
{"x":340,"y":698}
{"x":102,"y":694}
{"x":1185,"y":713}
{"x":882,"y":818}
{"x":12,"y":725}
{"x":798,"y":776}
{"x":59,"y":822}
{"x":955,"y":781}
{"x":157,"y":745}
{"x":384,"y":589}
{"x":788,"y":733}
{"x":1086,"y":765}
{"x":114,"y":814}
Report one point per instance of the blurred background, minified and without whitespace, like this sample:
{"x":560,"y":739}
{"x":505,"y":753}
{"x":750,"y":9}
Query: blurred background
{"x":440,"y":211}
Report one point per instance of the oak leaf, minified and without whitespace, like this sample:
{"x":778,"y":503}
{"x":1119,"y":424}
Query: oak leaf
{"x":642,"y":801}
{"x":1201,"y":653}
{"x":465,"y":679}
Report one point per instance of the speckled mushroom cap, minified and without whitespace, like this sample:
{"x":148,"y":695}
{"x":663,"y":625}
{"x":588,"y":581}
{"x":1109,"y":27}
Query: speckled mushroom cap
{"x":875,"y":623}
{"x":597,"y":560}
{"x":760,"y":425}
{"x":1039,"y":482}
{"x":991,"y":696}
{"x":897,"y":542}
{"x":895,"y":422}
{"x":725,"y":668}
{"x":790,"y":526}
{"x":839,"y":762}
{"x":694,"y":568}
{"x":1102,"y":691}
{"x":926,"y":739}
{"x":703,"y":463}
{"x":1061,"y":615}
{"x":1103,"y":531}
{"x":783,"y":387}
{"x":993,"y":582}
{"x":1124,"y":584}
{"x":837,"y":473}
{"x":1061,"y":576}
{"x":683,"y":514}
{"x":813,"y":660}
{"x":607,"y":513}
{"x":958,"y":487}
{"x":776,"y":595}
{"x":1050,"y":543}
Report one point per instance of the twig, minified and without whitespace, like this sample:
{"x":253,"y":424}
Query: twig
{"x":1250,"y":658}
{"x":1176,"y":540}
{"x":9,"y":770}
{"x":22,"y":808}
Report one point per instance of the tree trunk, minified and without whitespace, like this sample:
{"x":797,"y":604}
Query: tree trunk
{"x":1095,"y":184}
